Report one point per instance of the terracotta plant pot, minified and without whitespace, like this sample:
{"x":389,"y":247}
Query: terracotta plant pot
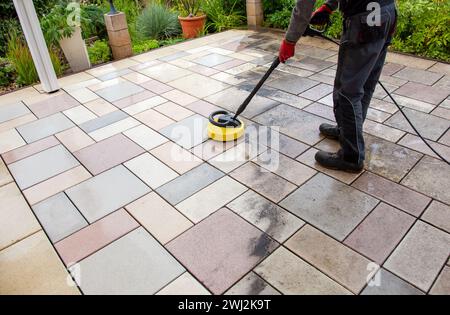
{"x":192,"y":26}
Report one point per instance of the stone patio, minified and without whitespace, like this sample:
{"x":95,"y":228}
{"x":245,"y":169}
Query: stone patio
{"x":113,"y":179}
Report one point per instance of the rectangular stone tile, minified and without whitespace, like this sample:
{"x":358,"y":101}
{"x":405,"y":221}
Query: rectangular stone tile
{"x":29,"y":149}
{"x":442,"y":284}
{"x":415,"y":143}
{"x":41,"y":166}
{"x":438,"y":214}
{"x":213,"y":197}
{"x":16,"y":122}
{"x":213,"y":60}
{"x":100,"y":107}
{"x":188,"y":132}
{"x":313,"y":64}
{"x":331,"y":257}
{"x":174,"y":111}
{"x":229,"y":64}
{"x":331,"y":206}
{"x":321,"y":110}
{"x":56,"y":184}
{"x":253,"y":285}
{"x":380,"y":232}
{"x":317,"y":92}
{"x":74,"y":139}
{"x":293,"y":84}
{"x":12,"y":111}
{"x":144,"y":105}
{"x":165,"y":72}
{"x":241,"y":69}
{"x":384,"y":106}
{"x":79,"y":114}
{"x":382,"y":158}
{"x":198,"y":85}
{"x":136,"y":256}
{"x":206,"y":71}
{"x":5,"y":176}
{"x":114,"y":74}
{"x":16,"y":219}
{"x":179,"y":159}
{"x":136,"y":78}
{"x":108,"y":153}
{"x":179,"y":97}
{"x":118,"y":91}
{"x":221,"y":249}
{"x":284,"y":97}
{"x":154,"y":119}
{"x":377,"y":115}
{"x":82,"y":95}
{"x":294,"y":122}
{"x":59,"y":217}
{"x":267,"y":184}
{"x":430,"y":177}
{"x":382,"y":131}
{"x":184,"y":285}
{"x":156,"y":86}
{"x":210,"y":148}
{"x":52,"y":105}
{"x":32,"y":267}
{"x":158,"y":217}
{"x":292,"y":275}
{"x":189,"y":183}
{"x":425,"y":93}
{"x":44,"y":127}
{"x":385,"y":283}
{"x":150,"y":170}
{"x":420,"y":256}
{"x":441,"y":112}
{"x":391,"y":68}
{"x":103,"y":121}
{"x":230,"y":99}
{"x":114,"y":129}
{"x":104,"y":193}
{"x":92,"y":238}
{"x":10,"y":140}
{"x":418,"y":76}
{"x":392,"y":193}
{"x":277,"y":141}
{"x":145,"y":137}
{"x":133,"y":99}
{"x":410,"y":103}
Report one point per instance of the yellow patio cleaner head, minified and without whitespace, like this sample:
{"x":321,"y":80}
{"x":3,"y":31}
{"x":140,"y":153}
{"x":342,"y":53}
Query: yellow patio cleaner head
{"x":224,"y":126}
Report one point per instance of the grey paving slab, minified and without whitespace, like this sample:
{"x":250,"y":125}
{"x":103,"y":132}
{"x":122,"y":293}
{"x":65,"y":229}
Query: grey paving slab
{"x":430,"y":126}
{"x":275,"y":140}
{"x":189,"y":183}
{"x":419,"y":76}
{"x":104,"y":193}
{"x":212,"y":60}
{"x":330,"y":205}
{"x":59,"y":217}
{"x":293,"y":84}
{"x":321,"y":110}
{"x":284,"y":97}
{"x":103,"y":121}
{"x":114,"y":74}
{"x":385,"y":283}
{"x":294,"y":122}
{"x":438,"y":214}
{"x":13,"y":110}
{"x":198,"y":85}
{"x":41,"y":166}
{"x":442,"y":284}
{"x":421,"y":255}
{"x":134,"y":264}
{"x":44,"y":127}
{"x":119,"y":90}
{"x":421,"y":92}
{"x":165,"y":72}
{"x":430,"y":177}
{"x":317,"y":92}
{"x":313,"y":64}
{"x":188,"y":132}
{"x":174,"y":56}
{"x":252,"y":284}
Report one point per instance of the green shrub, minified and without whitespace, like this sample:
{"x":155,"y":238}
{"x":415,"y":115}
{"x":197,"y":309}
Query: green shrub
{"x":7,"y":73}
{"x":99,"y":52}
{"x":222,"y":14}
{"x":157,"y":22}
{"x":93,"y":22}
{"x":145,"y":45}
{"x":54,"y":25}
{"x":20,"y":57}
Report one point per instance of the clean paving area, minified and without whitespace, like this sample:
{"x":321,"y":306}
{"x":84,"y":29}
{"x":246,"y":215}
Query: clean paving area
{"x":113,"y":179}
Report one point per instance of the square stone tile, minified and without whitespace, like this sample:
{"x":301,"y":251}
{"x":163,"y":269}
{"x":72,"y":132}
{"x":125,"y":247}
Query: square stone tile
{"x":100,"y":107}
{"x":92,"y":238}
{"x":430,"y":177}
{"x":41,"y":166}
{"x":114,"y":129}
{"x":284,"y":97}
{"x":179,"y":97}
{"x":380,"y":232}
{"x":144,"y":105}
{"x":442,"y":284}
{"x":230,"y":99}
{"x":56,"y":184}
{"x":294,"y":122}
{"x":317,"y":92}
{"x":184,"y":285}
{"x":103,"y":121}
{"x":154,"y":119}
{"x":82,"y":95}
{"x":107,"y":192}
{"x":29,"y":149}
{"x":59,"y":217}
{"x":12,"y":111}
{"x":385,"y":283}
{"x":392,"y":193}
{"x":203,"y":108}
{"x":221,"y":249}
{"x":136,"y":78}
{"x":209,"y":199}
{"x":382,"y":131}
{"x":16,"y":122}
{"x":198,"y":85}
{"x":291,"y":275}
{"x":150,"y":170}
{"x":158,"y":217}
{"x":421,"y":255}
{"x":10,"y":140}
{"x":382,"y":158}
{"x":156,"y":86}
{"x":165,"y":72}
{"x":267,"y":216}
{"x":134,"y":264}
{"x":108,"y":153}
{"x":53,"y":105}
{"x":236,"y":156}
{"x":79,"y":114}
{"x":293,"y":84}
{"x":44,"y":127}
{"x":213,"y":60}
{"x":229,"y":64}
{"x":421,"y":92}
{"x":189,"y":183}
{"x":321,"y":110}
{"x":31,"y":266}
{"x":252,"y":284}
{"x":174,"y":111}
{"x":16,"y":219}
{"x":438,"y":214}
{"x":418,"y":76}
{"x":74,"y":139}
{"x":331,"y":206}
{"x":188,"y":132}
{"x":331,"y":257}
{"x":206,"y":71}
{"x":145,"y":137}
{"x":174,"y":56}
{"x":441,"y":112}
{"x":277,"y":141}
{"x":241,"y":69}
{"x":119,"y":90}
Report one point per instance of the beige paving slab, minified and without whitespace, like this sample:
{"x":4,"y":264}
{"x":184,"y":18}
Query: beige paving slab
{"x":74,"y":139}
{"x":31,"y":266}
{"x":442,"y":285}
{"x":145,"y":137}
{"x":438,"y":214}
{"x":174,"y":111}
{"x":10,"y":140}
{"x":113,"y":129}
{"x":178,"y":158}
{"x":154,"y":119}
{"x":5,"y":176}
{"x":100,"y":107}
{"x":185,"y":284}
{"x":16,"y":122}
{"x":79,"y":114}
{"x":179,"y":97}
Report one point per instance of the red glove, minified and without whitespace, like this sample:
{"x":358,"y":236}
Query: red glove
{"x":321,"y":16}
{"x":287,"y":50}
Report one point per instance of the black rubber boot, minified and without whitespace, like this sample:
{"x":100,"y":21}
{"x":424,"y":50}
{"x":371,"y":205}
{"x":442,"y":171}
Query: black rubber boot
{"x":336,"y":161}
{"x":329,"y":131}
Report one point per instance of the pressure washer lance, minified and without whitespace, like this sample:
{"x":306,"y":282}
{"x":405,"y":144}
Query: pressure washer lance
{"x":320,"y":33}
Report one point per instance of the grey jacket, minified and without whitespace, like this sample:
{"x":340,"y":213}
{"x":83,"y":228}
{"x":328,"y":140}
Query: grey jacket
{"x":301,"y":15}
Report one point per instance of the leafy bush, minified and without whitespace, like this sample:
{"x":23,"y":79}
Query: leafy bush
{"x":7,"y":73}
{"x":93,"y":22}
{"x":20,"y":57}
{"x":145,"y":45}
{"x":99,"y":52}
{"x":54,"y":25}
{"x":222,"y":14}
{"x":157,"y":22}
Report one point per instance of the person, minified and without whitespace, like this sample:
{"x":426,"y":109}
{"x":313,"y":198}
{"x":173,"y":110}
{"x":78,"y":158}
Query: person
{"x":368,"y":28}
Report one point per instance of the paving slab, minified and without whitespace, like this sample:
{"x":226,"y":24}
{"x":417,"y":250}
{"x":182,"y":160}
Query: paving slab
{"x":386,"y":283}
{"x":442,"y":284}
{"x":176,"y":157}
{"x":421,"y":92}
{"x":418,"y":76}
{"x":293,"y":84}
{"x":165,"y":72}
{"x":438,"y":214}
{"x":53,"y":105}
{"x":12,"y":111}
{"x":103,"y":121}
{"x":185,"y":284}
{"x":44,"y":127}
{"x":198,"y":85}
{"x":252,"y":284}
{"x":187,"y":133}
{"x":119,"y":90}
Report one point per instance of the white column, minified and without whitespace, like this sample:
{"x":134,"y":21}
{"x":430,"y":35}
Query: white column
{"x":36,"y":43}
